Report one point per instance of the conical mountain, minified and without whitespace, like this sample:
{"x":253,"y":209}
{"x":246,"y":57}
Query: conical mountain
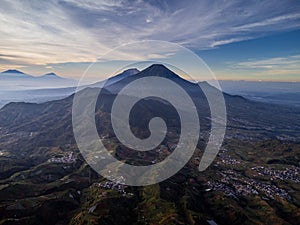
{"x":158,"y":70}
{"x":13,"y":72}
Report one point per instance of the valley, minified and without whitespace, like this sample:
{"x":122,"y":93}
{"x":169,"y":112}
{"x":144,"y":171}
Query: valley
{"x":253,"y":180}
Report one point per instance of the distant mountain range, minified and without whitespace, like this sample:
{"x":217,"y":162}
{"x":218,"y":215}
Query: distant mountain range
{"x":16,"y":86}
{"x":16,"y":74}
{"x":243,"y":114}
{"x":246,"y":119}
{"x":15,"y":80}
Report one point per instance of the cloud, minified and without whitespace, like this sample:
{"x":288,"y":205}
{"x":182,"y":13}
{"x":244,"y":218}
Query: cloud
{"x":57,"y":31}
{"x":287,"y":63}
{"x":272,"y":21}
{"x":227,"y":41}
{"x":103,"y":5}
{"x":271,"y":67}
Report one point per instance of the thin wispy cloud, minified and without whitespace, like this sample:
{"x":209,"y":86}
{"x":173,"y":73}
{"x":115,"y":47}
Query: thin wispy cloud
{"x":271,"y":67}
{"x":58,"y":31}
{"x":288,"y":63}
{"x":227,"y":41}
{"x":272,"y":21}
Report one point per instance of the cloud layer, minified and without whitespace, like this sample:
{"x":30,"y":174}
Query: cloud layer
{"x":282,"y":68}
{"x":57,"y":31}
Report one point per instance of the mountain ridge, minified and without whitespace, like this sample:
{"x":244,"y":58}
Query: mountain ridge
{"x":13,"y":73}
{"x":242,"y":113}
{"x":155,"y":70}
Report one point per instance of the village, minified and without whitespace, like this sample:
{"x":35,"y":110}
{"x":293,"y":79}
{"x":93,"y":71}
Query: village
{"x":67,"y":159}
{"x":235,"y":185}
{"x":114,"y":183}
{"x":227,"y":159}
{"x":292,"y":173}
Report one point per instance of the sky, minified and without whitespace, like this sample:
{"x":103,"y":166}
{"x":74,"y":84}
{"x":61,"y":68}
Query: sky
{"x":238,"y":40}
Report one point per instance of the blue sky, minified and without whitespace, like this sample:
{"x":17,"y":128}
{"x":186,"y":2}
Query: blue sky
{"x":274,"y":57}
{"x":243,"y":40}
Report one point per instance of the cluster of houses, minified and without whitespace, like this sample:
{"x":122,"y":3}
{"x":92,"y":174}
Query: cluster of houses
{"x":233,"y":184}
{"x":67,"y":159}
{"x":227,"y":160}
{"x":111,"y":185}
{"x":292,"y":173}
{"x":114,"y":184}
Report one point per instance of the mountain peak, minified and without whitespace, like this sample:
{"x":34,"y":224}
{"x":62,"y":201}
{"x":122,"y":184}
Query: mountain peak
{"x":13,"y":71}
{"x":158,"y":67}
{"x":50,"y":74}
{"x":159,"y":70}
